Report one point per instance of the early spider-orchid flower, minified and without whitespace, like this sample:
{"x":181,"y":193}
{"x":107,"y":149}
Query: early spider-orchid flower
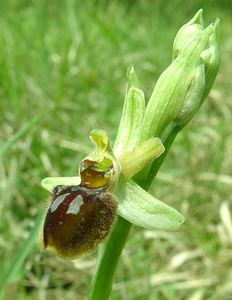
{"x":82,"y":209}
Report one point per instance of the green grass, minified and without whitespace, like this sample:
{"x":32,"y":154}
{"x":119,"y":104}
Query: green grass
{"x":67,"y":61}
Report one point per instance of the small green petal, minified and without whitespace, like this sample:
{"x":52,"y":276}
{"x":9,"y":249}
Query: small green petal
{"x":101,"y":141}
{"x":103,"y":155}
{"x":142,"y":209}
{"x":133,"y":161}
{"x":49,"y":183}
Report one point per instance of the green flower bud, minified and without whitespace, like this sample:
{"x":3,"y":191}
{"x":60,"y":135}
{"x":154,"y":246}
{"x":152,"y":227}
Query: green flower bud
{"x":187,"y":33}
{"x":203,"y":80}
{"x":173,"y":86}
{"x":194,"y":96}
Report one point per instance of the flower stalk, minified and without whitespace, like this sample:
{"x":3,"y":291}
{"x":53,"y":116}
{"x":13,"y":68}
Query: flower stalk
{"x":168,"y":111}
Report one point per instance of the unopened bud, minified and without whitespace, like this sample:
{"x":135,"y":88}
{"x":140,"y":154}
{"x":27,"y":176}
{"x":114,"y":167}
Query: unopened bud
{"x":187,"y":33}
{"x":193,"y":98}
{"x":211,"y":58}
{"x":173,"y":86}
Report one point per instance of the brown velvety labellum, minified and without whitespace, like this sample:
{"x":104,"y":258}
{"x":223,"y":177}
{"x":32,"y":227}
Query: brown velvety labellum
{"x":77,"y":220}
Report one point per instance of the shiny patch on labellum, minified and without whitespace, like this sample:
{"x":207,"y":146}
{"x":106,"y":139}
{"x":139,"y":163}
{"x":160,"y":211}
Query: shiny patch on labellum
{"x":94,"y":175}
{"x":78,"y":219}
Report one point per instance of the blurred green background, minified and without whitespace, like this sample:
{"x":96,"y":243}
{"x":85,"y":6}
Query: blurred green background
{"x":63,"y":72}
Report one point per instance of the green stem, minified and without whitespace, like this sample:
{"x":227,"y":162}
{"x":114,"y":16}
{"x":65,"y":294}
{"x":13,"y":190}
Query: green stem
{"x":159,"y":161}
{"x":107,"y":262}
{"x":111,"y":251}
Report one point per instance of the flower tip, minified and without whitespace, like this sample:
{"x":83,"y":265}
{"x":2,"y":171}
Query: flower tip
{"x":130,"y":71}
{"x":216,"y":27}
{"x":188,"y":32}
{"x":198,"y":18}
{"x":97,"y":135}
{"x":209,"y":29}
{"x":217,"y":22}
{"x":46,"y":183}
{"x":101,"y":141}
{"x":132,"y":77}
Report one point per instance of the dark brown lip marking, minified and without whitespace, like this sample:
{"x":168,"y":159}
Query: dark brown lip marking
{"x":78,"y":219}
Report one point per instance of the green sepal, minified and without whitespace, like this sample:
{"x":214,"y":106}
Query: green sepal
{"x":131,"y":122}
{"x":134,"y":161}
{"x":49,"y":183}
{"x":142,"y":209}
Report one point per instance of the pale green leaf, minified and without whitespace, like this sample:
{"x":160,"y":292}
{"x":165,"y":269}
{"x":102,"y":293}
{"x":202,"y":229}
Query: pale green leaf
{"x":15,"y":266}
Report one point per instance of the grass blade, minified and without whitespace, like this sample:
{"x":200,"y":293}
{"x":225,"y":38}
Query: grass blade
{"x":15,"y":265}
{"x":19,"y":134}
